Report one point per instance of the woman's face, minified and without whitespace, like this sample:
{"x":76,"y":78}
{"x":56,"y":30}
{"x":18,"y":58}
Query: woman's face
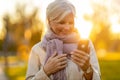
{"x":64,"y":27}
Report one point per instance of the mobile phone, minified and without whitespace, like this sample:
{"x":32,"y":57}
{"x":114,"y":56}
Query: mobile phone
{"x":83,"y":45}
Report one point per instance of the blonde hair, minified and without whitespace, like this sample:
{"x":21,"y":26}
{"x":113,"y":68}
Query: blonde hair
{"x":58,"y":9}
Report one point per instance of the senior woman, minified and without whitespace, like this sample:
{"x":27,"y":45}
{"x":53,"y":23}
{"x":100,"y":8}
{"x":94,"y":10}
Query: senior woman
{"x":57,"y":56}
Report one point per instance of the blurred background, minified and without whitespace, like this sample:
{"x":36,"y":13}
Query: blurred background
{"x":23,"y":23}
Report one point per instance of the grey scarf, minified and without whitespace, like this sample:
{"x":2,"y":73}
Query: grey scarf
{"x":52,"y":42}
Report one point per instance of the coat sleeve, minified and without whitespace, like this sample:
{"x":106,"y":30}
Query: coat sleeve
{"x":94,"y":63}
{"x":35,"y":70}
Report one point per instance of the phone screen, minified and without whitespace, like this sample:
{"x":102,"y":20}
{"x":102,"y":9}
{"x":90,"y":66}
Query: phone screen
{"x":83,"y":45}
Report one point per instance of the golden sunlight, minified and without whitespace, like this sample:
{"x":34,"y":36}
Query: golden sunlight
{"x":1,"y":31}
{"x":115,"y":25}
{"x":116,"y":28}
{"x":27,"y":34}
{"x":84,"y":27}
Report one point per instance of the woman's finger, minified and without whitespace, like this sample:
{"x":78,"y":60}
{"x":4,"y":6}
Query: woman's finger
{"x":62,"y":66}
{"x":60,"y":56}
{"x":80,"y":60}
{"x":62,"y":59}
{"x":78,"y":63}
{"x":84,"y":66}
{"x":80,"y":55}
{"x":77,"y":55}
{"x":82,"y":52}
{"x":83,"y":59}
{"x":62,"y":63}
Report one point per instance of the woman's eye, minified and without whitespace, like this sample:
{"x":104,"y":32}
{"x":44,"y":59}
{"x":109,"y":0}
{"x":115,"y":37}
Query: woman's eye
{"x":71,"y":23}
{"x":66,"y":22}
{"x":61,"y":22}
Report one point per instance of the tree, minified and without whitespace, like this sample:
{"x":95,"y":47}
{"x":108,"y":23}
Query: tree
{"x":101,"y":34}
{"x":23,"y":30}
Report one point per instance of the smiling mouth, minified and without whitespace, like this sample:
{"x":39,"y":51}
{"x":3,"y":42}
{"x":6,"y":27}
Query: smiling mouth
{"x":65,"y":32}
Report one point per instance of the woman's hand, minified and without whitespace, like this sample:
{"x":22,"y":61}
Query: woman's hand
{"x":55,"y":63}
{"x":81,"y":58}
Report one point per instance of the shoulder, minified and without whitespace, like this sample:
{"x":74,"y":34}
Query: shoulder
{"x":37,"y":48}
{"x":37,"y":53}
{"x":92,"y":48}
{"x":90,"y":43}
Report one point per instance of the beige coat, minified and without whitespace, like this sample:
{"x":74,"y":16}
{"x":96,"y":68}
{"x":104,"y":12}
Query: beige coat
{"x":36,"y":59}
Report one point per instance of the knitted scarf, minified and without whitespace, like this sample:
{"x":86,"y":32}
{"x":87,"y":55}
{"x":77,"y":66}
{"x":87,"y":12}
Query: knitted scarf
{"x":52,"y":42}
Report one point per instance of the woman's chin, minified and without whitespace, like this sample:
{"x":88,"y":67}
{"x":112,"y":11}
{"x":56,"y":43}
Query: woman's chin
{"x":63,"y":34}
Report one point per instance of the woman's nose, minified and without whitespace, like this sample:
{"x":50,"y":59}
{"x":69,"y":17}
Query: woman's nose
{"x":67,"y":27}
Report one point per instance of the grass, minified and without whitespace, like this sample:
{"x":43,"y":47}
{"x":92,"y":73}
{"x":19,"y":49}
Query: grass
{"x":109,"y":66}
{"x":110,"y":70}
{"x":16,"y":69}
{"x":16,"y":72}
